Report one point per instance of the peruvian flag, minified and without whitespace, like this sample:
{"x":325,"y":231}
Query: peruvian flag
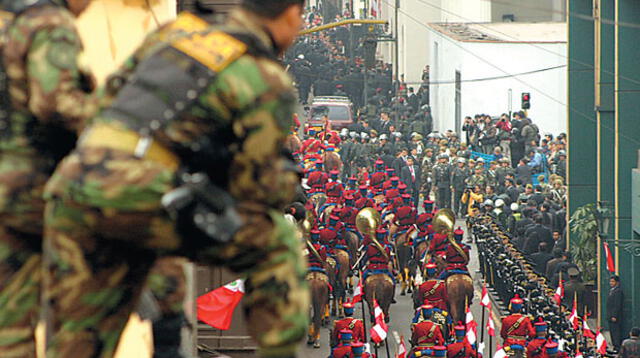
{"x":586,"y":331}
{"x":379,"y":330}
{"x":357,"y":293}
{"x":611,"y":266}
{"x":471,"y":328}
{"x":500,"y":353}
{"x":216,"y":307}
{"x":491,"y":328}
{"x":485,"y":301}
{"x":573,"y":318}
{"x":559,"y":295}
{"x":375,"y":8}
{"x":601,"y":343}
{"x":402,"y":349}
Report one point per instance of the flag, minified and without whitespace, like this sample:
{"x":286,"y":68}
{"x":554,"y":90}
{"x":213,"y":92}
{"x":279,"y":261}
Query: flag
{"x":379,"y":330}
{"x":601,"y":343}
{"x":471,"y":328}
{"x":485,"y":301}
{"x":559,"y":295}
{"x":573,"y":318}
{"x":491,"y":328}
{"x":357,"y":293}
{"x":586,"y":331}
{"x":216,"y":307}
{"x":611,"y":266}
{"x":500,"y":353}
{"x":402,"y":349}
{"x":375,"y":8}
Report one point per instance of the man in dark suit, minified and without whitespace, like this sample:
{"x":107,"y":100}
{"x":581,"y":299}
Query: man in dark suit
{"x":535,"y":235}
{"x":553,"y":263}
{"x":410,"y":175}
{"x":540,"y":258}
{"x":614,"y":311}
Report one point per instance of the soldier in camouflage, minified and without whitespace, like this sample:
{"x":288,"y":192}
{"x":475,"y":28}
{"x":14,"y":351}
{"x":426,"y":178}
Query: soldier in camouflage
{"x":442,"y":181}
{"x":105,"y":223}
{"x":46,"y":99}
{"x":458,"y":182}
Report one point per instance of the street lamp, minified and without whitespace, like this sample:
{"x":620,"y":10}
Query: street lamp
{"x":603,"y":215}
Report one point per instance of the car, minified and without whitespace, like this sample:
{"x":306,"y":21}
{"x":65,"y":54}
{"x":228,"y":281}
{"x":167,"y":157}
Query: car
{"x":338,"y":108}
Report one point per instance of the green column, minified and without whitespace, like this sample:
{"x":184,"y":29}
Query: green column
{"x":627,"y":143}
{"x":581,"y":117}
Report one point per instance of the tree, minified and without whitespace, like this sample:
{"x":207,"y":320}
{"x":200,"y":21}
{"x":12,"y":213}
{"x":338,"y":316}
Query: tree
{"x":584,"y":226}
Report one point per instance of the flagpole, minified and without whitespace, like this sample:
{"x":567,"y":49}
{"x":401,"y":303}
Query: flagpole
{"x":386,"y":344}
{"x":364,"y":316}
{"x":483,"y":324}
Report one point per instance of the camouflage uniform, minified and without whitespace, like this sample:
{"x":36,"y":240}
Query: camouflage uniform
{"x":50,"y":101}
{"x":105,"y":224}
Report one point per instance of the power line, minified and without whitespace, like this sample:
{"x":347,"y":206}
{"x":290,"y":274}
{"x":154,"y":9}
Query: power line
{"x":530,"y":44}
{"x":489,"y":78}
{"x":454,"y":42}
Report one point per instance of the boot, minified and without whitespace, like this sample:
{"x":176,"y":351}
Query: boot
{"x":167,"y":336}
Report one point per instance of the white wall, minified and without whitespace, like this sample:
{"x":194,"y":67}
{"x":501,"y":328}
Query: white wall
{"x":491,"y":97}
{"x":466,"y":11}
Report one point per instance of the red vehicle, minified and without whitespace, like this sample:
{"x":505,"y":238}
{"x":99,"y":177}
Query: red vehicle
{"x":339,"y":109}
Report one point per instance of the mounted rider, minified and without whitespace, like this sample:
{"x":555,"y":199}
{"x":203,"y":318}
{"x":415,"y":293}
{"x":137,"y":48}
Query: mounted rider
{"x":425,"y":230}
{"x":354,"y":324}
{"x":461,"y":347}
{"x":516,"y":328}
{"x":457,"y":256}
{"x":425,"y":333}
{"x":318,"y":255}
{"x":378,"y":258}
{"x":433,"y":291}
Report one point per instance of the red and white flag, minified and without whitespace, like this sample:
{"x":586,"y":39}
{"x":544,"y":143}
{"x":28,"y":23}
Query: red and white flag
{"x":611,"y":266}
{"x":402,"y":349}
{"x":358,"y":292}
{"x":485,"y":301}
{"x":375,"y":8}
{"x":586,"y":331}
{"x":216,"y":307}
{"x":471,"y":325}
{"x":601,"y":343}
{"x":379,"y":330}
{"x":573,"y":318}
{"x":559,"y":295}
{"x":500,"y":353}
{"x":491,"y":328}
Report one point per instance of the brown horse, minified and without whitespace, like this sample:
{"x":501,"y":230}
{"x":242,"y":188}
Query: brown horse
{"x":460,"y":293}
{"x":319,"y":286}
{"x":407,"y":264}
{"x":293,"y":143}
{"x":332,"y":161}
{"x":340,"y":286}
{"x":380,"y":287}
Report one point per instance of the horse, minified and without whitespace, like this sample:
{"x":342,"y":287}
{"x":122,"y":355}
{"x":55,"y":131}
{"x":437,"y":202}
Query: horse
{"x":293,"y":143}
{"x":340,"y":286}
{"x":406,"y":262}
{"x":353,"y":244}
{"x":460,"y":293}
{"x":319,"y":288}
{"x":380,"y":287}
{"x":332,"y":162}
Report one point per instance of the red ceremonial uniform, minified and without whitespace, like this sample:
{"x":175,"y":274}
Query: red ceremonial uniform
{"x":341,"y":351}
{"x":461,"y":350}
{"x":438,"y":243}
{"x":310,"y":145}
{"x":516,"y":328}
{"x":455,"y":260}
{"x":348,"y":216}
{"x":405,"y":216}
{"x":426,"y":334}
{"x":364,"y":203}
{"x":377,"y":179}
{"x":376,"y":260}
{"x":317,"y":179}
{"x":535,"y":348}
{"x":334,"y":192}
{"x":313,"y":260}
{"x":353,"y":324}
{"x":434,"y":292}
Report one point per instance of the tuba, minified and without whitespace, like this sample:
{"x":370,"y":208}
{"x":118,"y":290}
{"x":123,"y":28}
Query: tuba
{"x":443,"y":223}
{"x":367,"y":221}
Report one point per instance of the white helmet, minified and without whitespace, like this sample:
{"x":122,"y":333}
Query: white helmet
{"x":499,"y":203}
{"x":514,"y":207}
{"x":344,"y":132}
{"x":383,"y":136}
{"x":353,"y":134}
{"x":301,"y":57}
{"x":488,"y":202}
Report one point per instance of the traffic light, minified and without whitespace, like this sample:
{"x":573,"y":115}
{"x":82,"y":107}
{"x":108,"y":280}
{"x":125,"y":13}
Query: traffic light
{"x":526,"y":100}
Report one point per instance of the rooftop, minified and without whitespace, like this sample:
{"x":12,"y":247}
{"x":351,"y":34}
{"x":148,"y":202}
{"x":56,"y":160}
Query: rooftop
{"x":506,"y":32}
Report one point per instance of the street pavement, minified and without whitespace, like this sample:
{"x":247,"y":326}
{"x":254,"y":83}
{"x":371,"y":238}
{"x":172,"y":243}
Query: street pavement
{"x":401,"y":314}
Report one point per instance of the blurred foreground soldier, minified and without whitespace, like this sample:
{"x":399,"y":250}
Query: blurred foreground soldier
{"x":45,"y":100}
{"x":186,"y":160}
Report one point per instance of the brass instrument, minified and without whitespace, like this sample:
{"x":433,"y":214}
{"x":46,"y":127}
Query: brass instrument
{"x":367,"y":221}
{"x":443,"y":223}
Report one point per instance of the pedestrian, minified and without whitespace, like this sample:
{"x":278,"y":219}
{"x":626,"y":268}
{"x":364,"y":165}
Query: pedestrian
{"x":103,"y":237}
{"x":631,"y":346}
{"x":615,"y":300}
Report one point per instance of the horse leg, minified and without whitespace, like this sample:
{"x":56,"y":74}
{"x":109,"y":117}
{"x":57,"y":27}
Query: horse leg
{"x":316,"y":342}
{"x":311,"y":335}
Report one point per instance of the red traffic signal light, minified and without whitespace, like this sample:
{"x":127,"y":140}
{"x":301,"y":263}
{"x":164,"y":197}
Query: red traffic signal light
{"x":526,"y":100}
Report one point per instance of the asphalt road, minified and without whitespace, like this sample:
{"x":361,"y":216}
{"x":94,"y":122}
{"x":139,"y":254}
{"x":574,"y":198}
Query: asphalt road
{"x":401,"y":314}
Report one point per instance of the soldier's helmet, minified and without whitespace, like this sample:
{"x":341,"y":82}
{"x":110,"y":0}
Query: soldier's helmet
{"x":459,"y":330}
{"x":516,"y":303}
{"x":461,"y":160}
{"x":353,"y":135}
{"x":349,"y":308}
{"x":562,"y":153}
{"x":357,"y":349}
{"x":346,"y":335}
